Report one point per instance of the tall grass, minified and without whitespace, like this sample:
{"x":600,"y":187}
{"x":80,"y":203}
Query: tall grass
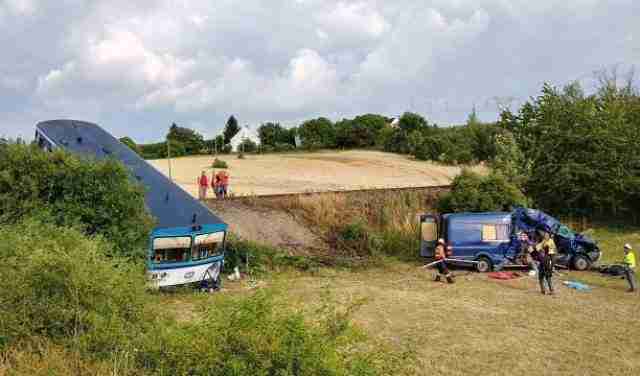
{"x":363,"y":225}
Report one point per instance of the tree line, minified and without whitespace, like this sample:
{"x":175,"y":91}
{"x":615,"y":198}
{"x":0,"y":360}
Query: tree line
{"x":564,"y":151}
{"x":411,"y":134}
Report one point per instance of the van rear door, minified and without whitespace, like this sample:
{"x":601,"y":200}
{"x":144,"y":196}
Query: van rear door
{"x":428,"y":235}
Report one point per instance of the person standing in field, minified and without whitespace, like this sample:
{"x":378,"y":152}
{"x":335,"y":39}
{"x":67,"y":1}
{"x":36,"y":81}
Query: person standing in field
{"x":441,"y":255}
{"x":630,"y":267}
{"x":225,"y":184}
{"x":545,"y":270}
{"x":214,"y":183}
{"x":203,"y":185}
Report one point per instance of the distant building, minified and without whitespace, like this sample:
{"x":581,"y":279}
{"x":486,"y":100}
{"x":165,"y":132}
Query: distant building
{"x":395,"y":123}
{"x":243,"y":134}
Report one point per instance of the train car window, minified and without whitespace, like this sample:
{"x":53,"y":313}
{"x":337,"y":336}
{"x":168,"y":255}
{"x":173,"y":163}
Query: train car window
{"x":429,"y":232}
{"x":169,"y":250}
{"x":207,"y":245}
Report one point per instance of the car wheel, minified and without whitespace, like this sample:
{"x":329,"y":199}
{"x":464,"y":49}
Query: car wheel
{"x":581,"y":263}
{"x":484,"y":265}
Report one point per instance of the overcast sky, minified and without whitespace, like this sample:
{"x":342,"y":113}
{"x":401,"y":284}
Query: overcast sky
{"x":136,"y":66}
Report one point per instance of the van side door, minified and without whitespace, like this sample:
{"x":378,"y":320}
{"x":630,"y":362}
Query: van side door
{"x":428,"y":235}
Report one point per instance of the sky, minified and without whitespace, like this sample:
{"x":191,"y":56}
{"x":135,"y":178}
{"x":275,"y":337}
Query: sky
{"x":135,"y":67}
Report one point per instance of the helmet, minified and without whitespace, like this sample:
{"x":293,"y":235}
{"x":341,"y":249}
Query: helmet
{"x":440,"y":241}
{"x":627,"y":246}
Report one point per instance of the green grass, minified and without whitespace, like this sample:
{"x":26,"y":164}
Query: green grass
{"x":611,"y":239}
{"x":477,"y":326}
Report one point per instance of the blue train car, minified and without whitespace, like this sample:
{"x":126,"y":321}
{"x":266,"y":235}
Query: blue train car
{"x":188,"y":243}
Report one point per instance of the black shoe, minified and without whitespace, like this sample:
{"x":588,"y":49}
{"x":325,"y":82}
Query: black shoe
{"x":631,"y":290}
{"x":450,"y":280}
{"x":437,"y":278}
{"x":543,"y":292}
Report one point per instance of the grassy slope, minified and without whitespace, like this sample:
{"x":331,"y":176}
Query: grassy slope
{"x":480,"y":326}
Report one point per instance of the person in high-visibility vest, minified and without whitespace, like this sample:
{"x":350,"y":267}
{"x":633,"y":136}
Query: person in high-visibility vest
{"x":630,"y":267}
{"x":441,"y":255}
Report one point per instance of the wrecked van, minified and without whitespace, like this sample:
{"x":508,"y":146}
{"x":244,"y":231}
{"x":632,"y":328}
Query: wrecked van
{"x":490,"y":240}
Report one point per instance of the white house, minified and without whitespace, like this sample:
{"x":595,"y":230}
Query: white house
{"x":243,"y":134}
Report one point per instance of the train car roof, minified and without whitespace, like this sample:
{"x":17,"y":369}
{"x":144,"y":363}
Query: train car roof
{"x":167,"y":202}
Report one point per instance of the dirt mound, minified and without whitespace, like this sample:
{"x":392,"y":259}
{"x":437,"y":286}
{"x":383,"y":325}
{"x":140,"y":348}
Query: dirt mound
{"x":268,"y":226}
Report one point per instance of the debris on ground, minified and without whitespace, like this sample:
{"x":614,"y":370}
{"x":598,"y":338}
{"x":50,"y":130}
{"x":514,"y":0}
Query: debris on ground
{"x":504,"y":275}
{"x":577,"y":285}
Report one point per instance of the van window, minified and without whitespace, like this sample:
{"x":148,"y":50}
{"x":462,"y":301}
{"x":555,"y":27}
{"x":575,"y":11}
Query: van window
{"x":495,"y":233}
{"x":429,"y":232}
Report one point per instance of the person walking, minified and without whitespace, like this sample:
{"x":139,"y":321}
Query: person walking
{"x":443,"y":270}
{"x":203,"y":185}
{"x":545,"y":270}
{"x":630,"y":267}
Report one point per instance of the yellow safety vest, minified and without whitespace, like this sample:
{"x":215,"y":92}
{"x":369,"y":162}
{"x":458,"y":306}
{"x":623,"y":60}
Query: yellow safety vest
{"x":550,"y":243}
{"x":630,"y":260}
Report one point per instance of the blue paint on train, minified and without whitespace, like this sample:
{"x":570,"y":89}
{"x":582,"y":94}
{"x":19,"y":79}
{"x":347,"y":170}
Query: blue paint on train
{"x":177,"y":213}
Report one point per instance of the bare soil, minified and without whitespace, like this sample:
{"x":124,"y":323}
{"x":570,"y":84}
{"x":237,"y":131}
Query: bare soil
{"x":273,"y":227}
{"x":311,"y":172}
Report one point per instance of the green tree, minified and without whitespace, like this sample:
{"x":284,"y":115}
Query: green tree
{"x":230,"y":129}
{"x":97,"y":196}
{"x":186,"y":138}
{"x":131,"y":144}
{"x":471,"y":192}
{"x":582,"y":149}
{"x":273,"y":134}
{"x":317,"y":133}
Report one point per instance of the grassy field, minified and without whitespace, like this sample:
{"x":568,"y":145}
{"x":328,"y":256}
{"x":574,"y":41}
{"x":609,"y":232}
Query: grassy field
{"x":477,"y":326}
{"x":312,"y":172}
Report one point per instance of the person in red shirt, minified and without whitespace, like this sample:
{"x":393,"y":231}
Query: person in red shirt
{"x":224,"y":190}
{"x":203,"y":184}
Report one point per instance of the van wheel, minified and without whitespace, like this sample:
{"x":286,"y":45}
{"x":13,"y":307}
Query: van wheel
{"x":580,"y":263}
{"x":484,"y":265}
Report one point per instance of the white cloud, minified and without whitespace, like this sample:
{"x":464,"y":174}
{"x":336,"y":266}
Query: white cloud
{"x":198,"y":62}
{"x":21,"y":7}
{"x":358,"y":20}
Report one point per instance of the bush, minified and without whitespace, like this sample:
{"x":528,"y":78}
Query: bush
{"x":261,"y":258}
{"x":97,"y":196}
{"x":60,"y":285}
{"x":249,"y":336}
{"x":471,"y":192}
{"x":219,"y":163}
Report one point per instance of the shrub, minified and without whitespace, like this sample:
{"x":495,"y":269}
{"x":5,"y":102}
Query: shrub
{"x":97,"y":196}
{"x":475,"y":193}
{"x":259,"y":258}
{"x":249,"y":336}
{"x":60,"y":285}
{"x":219,"y":163}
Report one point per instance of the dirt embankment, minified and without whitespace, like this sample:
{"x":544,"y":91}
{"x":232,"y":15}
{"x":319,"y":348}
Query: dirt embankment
{"x":297,"y":223}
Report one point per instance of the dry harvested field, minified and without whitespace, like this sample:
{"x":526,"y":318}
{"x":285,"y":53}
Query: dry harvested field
{"x":312,"y":172}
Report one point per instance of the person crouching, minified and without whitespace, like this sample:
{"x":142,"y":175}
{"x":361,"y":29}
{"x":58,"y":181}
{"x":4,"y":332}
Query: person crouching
{"x":441,"y":255}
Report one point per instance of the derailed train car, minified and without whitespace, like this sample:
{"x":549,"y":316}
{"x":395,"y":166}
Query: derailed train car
{"x":188,"y":243}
